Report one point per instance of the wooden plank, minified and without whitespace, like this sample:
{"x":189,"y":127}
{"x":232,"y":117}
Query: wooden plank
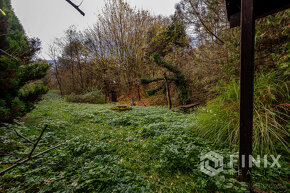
{"x":246,"y":89}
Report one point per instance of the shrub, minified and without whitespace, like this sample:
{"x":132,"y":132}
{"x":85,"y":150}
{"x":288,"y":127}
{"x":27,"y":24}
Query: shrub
{"x":121,"y":108}
{"x":94,"y":97}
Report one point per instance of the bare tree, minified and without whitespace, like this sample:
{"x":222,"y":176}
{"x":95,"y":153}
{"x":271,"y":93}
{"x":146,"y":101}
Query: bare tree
{"x":53,"y":53}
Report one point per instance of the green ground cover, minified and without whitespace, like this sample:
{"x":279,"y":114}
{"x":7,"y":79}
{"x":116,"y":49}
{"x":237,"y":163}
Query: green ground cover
{"x":147,"y":149}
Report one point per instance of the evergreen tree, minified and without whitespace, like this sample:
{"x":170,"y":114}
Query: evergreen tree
{"x":17,"y":72}
{"x":162,"y":47}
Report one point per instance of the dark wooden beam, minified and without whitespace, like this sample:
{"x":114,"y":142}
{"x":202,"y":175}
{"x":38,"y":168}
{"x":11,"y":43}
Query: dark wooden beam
{"x":262,"y":9}
{"x":76,"y":7}
{"x":246,"y":89}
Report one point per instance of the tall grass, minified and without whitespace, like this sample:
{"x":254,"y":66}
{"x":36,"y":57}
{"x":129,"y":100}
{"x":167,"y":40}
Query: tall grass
{"x":219,"y":120}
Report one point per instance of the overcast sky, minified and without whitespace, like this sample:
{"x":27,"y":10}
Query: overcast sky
{"x":48,"y":19}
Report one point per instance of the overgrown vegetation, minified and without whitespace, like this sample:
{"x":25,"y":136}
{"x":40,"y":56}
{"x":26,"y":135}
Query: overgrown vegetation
{"x":144,"y":150}
{"x":161,"y":47}
{"x":219,"y":120}
{"x":116,"y":148}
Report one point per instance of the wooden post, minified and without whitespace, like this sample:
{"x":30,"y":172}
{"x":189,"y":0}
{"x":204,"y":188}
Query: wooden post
{"x":138,"y":93}
{"x":132,"y":102}
{"x":246,"y":89}
{"x":167,"y":91}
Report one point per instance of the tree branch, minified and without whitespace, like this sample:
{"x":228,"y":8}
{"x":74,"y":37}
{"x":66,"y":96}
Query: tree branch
{"x":23,"y":136}
{"x":202,"y":22}
{"x":27,"y":159}
{"x":76,"y":7}
{"x":34,"y":146}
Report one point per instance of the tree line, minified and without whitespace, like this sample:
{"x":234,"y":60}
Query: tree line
{"x":115,"y":53}
{"x":128,"y":50}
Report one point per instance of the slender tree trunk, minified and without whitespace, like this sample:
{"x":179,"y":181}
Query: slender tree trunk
{"x":58,"y":80}
{"x":73,"y":78}
{"x":167,"y":91}
{"x":81,"y":75}
{"x":138,"y":93}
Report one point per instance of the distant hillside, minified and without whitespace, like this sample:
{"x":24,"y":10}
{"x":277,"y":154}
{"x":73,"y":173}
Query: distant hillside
{"x":51,"y":62}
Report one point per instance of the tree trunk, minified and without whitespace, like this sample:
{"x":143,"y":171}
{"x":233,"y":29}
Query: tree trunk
{"x":138,"y":93}
{"x":81,"y":74}
{"x":58,"y":79}
{"x":167,"y":91}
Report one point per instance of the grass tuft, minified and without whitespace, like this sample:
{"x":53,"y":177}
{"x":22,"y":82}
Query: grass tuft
{"x":219,"y":120}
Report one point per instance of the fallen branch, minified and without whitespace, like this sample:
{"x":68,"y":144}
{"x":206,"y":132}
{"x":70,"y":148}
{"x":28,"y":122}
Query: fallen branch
{"x":11,"y":163}
{"x":35,"y":144}
{"x":10,"y":155}
{"x":27,"y":159}
{"x":23,"y":136}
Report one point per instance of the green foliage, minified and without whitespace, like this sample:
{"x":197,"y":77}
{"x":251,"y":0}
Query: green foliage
{"x":156,"y":89}
{"x":9,"y":85}
{"x":16,"y":71}
{"x":178,"y":79}
{"x":163,"y":46}
{"x":143,"y":150}
{"x":148,"y":81}
{"x":15,"y":101}
{"x":8,"y":80}
{"x":15,"y":38}
{"x":31,"y":93}
{"x":168,"y":40}
{"x":93,"y":97}
{"x":121,"y":108}
{"x":219,"y":120}
{"x":32,"y":71}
